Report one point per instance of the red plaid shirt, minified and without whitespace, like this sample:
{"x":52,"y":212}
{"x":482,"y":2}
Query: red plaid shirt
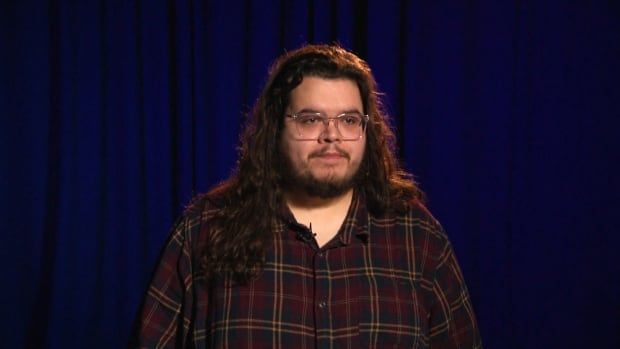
{"x":382,"y":282}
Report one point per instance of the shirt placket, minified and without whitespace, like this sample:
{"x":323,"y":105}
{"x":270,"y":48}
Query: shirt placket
{"x":322,"y":287}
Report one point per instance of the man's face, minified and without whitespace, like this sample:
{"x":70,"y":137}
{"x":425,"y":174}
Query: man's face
{"x":327,"y":166}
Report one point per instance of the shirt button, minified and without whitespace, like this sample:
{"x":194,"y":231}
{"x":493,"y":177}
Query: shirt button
{"x":320,"y":254}
{"x":322,"y":304}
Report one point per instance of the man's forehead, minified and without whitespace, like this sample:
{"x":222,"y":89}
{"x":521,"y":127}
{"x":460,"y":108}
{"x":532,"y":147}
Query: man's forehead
{"x":321,"y":83}
{"x":326,"y":94}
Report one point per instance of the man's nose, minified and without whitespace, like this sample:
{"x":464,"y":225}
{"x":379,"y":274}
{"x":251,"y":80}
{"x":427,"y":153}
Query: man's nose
{"x":330,"y":132}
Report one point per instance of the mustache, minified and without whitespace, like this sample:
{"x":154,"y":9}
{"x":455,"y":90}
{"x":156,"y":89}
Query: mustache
{"x":324,"y":151}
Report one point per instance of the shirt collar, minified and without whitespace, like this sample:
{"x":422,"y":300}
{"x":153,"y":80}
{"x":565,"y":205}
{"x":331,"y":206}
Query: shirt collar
{"x":355,"y":223}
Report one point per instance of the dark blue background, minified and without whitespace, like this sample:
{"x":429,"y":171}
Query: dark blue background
{"x":113,"y":113}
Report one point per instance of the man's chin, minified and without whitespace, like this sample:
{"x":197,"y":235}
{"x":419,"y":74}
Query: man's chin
{"x":326,"y":188}
{"x":320,"y":182}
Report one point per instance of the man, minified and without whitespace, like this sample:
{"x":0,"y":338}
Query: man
{"x":318,"y":240}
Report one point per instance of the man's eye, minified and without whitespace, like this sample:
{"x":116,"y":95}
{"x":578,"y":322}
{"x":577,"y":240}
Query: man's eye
{"x":309,"y":119}
{"x":351,"y":120}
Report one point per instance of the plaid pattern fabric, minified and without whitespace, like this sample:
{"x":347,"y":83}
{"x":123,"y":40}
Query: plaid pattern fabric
{"x":389,"y":282}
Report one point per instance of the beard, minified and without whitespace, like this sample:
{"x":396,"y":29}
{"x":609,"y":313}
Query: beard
{"x":302,"y":179}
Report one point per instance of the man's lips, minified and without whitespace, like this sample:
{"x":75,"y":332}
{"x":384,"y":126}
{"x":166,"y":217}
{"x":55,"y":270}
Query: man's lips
{"x":330,"y":155}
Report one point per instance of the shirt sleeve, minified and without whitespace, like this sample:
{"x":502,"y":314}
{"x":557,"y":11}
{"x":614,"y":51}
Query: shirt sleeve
{"x":166,"y":315}
{"x":453,"y":323}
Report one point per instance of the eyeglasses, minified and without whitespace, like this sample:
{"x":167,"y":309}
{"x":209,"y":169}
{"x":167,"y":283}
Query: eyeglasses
{"x":310,"y":125}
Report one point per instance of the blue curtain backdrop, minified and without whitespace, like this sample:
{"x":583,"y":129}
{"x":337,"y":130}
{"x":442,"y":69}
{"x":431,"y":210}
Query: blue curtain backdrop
{"x":114,"y":113}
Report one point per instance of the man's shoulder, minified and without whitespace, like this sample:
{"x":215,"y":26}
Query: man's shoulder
{"x":203,"y":207}
{"x":420,"y":213}
{"x":195,"y":224}
{"x":414,"y":220}
{"x":412,"y":232}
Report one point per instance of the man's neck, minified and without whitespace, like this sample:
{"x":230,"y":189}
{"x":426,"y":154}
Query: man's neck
{"x":323,"y":215}
{"x":303,"y":201}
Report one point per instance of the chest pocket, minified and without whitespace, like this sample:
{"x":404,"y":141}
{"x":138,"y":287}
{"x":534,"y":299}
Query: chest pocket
{"x":391,"y":314}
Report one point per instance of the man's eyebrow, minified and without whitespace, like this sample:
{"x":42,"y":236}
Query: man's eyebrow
{"x":309,"y":110}
{"x":354,"y":110}
{"x":348,"y":111}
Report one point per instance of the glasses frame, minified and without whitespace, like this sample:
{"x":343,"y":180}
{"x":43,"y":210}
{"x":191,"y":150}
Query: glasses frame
{"x":325,"y":120}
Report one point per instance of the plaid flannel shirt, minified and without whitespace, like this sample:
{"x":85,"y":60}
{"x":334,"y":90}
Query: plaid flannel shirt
{"x":382,"y":282}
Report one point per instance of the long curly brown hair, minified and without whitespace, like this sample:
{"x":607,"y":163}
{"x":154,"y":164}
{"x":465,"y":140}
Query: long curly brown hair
{"x":250,"y":199}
